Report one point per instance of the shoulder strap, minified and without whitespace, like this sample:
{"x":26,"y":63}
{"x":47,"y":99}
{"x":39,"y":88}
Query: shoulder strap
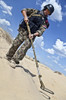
{"x":34,"y":14}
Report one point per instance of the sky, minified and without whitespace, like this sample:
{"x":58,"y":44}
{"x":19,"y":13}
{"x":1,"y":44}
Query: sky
{"x":50,"y":48}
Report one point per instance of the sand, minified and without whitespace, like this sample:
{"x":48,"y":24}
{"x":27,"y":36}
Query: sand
{"x":22,"y":83}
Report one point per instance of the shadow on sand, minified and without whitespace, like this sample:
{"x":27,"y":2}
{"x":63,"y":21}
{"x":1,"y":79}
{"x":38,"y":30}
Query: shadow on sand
{"x":42,"y":90}
{"x":26,"y":70}
{"x":48,"y":91}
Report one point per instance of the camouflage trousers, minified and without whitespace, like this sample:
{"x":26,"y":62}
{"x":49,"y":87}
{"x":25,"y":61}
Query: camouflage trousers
{"x":18,"y":51}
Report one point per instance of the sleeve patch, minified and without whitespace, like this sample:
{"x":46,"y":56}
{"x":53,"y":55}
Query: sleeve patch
{"x":45,"y":26}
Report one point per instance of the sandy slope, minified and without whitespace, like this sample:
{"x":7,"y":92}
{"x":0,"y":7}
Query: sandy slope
{"x":22,"y":83}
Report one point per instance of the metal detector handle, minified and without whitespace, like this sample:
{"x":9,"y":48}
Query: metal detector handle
{"x":39,"y":75}
{"x":32,"y":43}
{"x":28,"y":27}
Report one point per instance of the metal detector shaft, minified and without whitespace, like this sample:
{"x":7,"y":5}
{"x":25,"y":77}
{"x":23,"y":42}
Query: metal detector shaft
{"x":39,"y":75}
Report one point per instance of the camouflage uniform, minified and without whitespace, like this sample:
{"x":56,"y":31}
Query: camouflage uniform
{"x":18,"y":54}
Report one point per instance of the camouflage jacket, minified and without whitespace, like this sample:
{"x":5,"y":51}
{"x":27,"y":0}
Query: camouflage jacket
{"x":45,"y":23}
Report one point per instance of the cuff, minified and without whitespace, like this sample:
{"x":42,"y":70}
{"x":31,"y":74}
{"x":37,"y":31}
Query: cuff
{"x":23,"y":9}
{"x":40,"y":33}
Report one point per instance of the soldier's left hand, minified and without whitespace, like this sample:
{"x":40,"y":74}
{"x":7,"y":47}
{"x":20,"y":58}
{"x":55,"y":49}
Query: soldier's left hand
{"x":31,"y":36}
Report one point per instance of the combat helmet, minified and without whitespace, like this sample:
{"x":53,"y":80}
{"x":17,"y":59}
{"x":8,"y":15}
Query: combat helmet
{"x":50,"y":7}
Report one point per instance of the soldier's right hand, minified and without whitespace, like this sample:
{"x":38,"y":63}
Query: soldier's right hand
{"x":26,"y":19}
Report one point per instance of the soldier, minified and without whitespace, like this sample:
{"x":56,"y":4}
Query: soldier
{"x":38,"y":22}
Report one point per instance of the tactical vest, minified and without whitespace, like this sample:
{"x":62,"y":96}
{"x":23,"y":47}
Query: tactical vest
{"x":35,"y":21}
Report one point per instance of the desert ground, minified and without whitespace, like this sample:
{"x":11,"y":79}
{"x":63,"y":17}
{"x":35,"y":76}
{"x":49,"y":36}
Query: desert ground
{"x":22,"y":83}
